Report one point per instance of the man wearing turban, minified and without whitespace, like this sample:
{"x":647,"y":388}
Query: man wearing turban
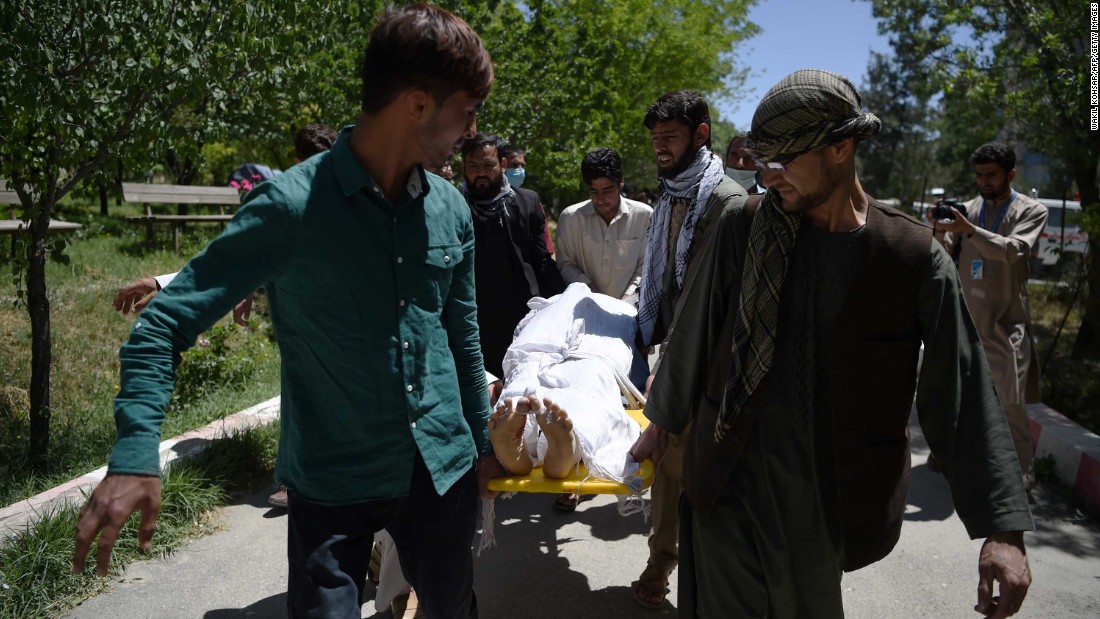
{"x":794,"y":356}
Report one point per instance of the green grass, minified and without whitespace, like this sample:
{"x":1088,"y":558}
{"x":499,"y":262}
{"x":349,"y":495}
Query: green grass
{"x":1070,"y":385}
{"x":35,"y":564}
{"x":86,"y":334}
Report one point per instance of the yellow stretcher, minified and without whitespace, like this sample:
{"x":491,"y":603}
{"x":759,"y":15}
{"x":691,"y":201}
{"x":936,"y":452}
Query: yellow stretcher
{"x":577,"y":482}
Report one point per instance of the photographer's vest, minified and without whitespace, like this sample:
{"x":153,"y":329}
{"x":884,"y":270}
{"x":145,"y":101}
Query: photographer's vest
{"x":873,"y":358}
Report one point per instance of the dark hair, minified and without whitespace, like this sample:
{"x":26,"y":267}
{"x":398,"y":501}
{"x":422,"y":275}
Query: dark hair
{"x":739,"y":138}
{"x":510,"y":150}
{"x":995,"y":152}
{"x":312,"y":139}
{"x":602,"y":163}
{"x":479,"y":142}
{"x":424,"y":47}
{"x":686,"y":106}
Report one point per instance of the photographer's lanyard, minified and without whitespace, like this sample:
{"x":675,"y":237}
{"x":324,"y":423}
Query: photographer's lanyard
{"x":977,"y":266}
{"x":997,"y":222}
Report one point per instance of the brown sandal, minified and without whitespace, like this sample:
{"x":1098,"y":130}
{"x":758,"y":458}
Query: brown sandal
{"x":407,"y":607}
{"x":651,"y":590}
{"x":567,"y":502}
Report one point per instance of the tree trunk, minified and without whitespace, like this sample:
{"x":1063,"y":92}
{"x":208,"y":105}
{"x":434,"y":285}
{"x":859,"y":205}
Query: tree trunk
{"x":118,"y":185}
{"x":38,"y":306}
{"x":184,"y":172}
{"x":1088,"y":337}
{"x":103,"y":199}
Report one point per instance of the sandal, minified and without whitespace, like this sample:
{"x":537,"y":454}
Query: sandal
{"x":567,"y":502}
{"x":407,"y":607}
{"x":651,"y":590}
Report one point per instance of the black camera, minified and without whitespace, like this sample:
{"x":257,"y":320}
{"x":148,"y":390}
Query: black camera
{"x":942,"y":210}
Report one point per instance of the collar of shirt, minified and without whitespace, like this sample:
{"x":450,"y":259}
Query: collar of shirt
{"x":353,"y":177}
{"x":590,"y":209}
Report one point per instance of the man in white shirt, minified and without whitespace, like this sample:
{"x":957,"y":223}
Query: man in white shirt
{"x":601,"y":242}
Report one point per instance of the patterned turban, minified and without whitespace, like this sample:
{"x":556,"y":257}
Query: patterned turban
{"x":805,"y":111}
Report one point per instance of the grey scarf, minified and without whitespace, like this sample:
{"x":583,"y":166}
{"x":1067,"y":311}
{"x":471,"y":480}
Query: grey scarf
{"x":697,"y":182}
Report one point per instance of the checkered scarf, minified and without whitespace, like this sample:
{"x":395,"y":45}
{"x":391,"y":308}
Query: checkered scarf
{"x":771,"y":240}
{"x":806,"y":110}
{"x":698,"y":183}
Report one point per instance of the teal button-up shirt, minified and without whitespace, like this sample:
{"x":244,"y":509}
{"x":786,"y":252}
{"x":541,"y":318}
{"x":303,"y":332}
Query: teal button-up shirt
{"x":375,"y":316}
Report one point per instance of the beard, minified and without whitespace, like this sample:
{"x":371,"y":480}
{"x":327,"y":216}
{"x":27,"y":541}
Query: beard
{"x":995,"y":194}
{"x":480,"y":190}
{"x":830,"y":180}
{"x":681,"y":164}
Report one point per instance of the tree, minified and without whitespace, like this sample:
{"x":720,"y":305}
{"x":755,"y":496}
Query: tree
{"x":88,"y":81}
{"x":571,"y":75}
{"x":1026,"y":60}
{"x":898,"y":162}
{"x":574,"y":75}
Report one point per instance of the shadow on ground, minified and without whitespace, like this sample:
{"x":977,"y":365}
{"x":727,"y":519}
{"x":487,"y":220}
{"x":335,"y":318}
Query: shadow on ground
{"x":273,"y":607}
{"x":1057,"y":523}
{"x":528,"y":575}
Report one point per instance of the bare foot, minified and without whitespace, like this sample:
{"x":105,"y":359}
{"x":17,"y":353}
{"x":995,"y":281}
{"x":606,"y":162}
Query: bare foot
{"x":506,"y":434}
{"x":561,"y":456}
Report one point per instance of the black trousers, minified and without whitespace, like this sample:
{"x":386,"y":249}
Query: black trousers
{"x":328,"y":549}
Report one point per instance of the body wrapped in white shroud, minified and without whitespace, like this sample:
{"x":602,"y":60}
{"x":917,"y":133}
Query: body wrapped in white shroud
{"x":577,"y":349}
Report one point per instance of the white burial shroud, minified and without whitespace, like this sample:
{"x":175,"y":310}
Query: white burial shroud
{"x":576,"y":348}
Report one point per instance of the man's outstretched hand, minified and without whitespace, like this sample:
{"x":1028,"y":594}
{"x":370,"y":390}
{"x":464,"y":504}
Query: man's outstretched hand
{"x":243,"y":310}
{"x":111,"y":503}
{"x":1003,"y":560}
{"x":134,"y":296}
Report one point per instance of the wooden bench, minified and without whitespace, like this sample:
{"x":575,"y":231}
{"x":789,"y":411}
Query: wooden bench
{"x":14,"y":225}
{"x":148,"y":194}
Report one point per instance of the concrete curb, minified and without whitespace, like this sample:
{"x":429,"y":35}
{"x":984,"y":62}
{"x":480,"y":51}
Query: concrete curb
{"x":1075,"y":450}
{"x":17,"y":516}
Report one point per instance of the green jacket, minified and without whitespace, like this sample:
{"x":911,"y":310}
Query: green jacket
{"x":375,"y":316}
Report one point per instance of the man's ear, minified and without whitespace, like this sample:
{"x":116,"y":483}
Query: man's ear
{"x":843,"y":150}
{"x":1011,"y":175}
{"x":416,"y":103}
{"x":702,"y":134}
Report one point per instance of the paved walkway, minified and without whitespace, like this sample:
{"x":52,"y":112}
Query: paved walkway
{"x":549,"y":564}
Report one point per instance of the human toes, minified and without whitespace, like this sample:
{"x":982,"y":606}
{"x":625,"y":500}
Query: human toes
{"x":528,"y":404}
{"x":557,"y":414}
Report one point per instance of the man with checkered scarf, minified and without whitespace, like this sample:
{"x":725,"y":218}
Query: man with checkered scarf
{"x":794,"y":356}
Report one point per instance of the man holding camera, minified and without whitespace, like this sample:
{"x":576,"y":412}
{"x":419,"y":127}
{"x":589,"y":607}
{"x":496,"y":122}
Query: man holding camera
{"x":991,"y":238}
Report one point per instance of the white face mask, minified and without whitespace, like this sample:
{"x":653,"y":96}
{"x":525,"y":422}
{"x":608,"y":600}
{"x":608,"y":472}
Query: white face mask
{"x":745,"y":178}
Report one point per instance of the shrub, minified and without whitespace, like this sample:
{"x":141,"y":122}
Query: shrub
{"x":225,"y":357}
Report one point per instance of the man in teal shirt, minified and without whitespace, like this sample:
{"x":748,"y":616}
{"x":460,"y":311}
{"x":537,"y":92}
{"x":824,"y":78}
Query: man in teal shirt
{"x":368,"y":264}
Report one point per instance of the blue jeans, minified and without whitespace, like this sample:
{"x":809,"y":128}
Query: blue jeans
{"x":328,"y":549}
